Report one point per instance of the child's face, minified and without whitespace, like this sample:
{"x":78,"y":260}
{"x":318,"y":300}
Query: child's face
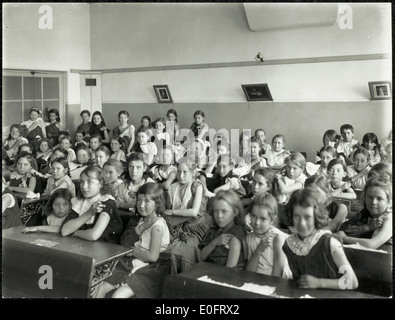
{"x":325,"y":158}
{"x":261,"y":136}
{"x":82,"y":156}
{"x":145,"y":123}
{"x":260,"y":219}
{"x":171,"y":117}
{"x":101,"y":158}
{"x":123,"y":119}
{"x":259,"y":185}
{"x":115,"y":145}
{"x":111,"y":173}
{"x":142,"y":138}
{"x":15,"y":133}
{"x":223,"y":168}
{"x":94,"y":143}
{"x":360,"y":162}
{"x":303,"y":220}
{"x":52,"y":117}
{"x":44,"y":146}
{"x":23,"y":166}
{"x":136,"y":170}
{"x":33,"y":115}
{"x":96,"y":119}
{"x":85,"y":117}
{"x":58,"y":171}
{"x":79,"y":137}
{"x":184,"y":174}
{"x":61,"y":207}
{"x":370,"y":145}
{"x":65,"y":144}
{"x":337,"y":173}
{"x":90,"y":187}
{"x":347,"y":135}
{"x":293,"y":170}
{"x":60,"y":137}
{"x":145,"y":205}
{"x":278,"y":144}
{"x":255,"y":149}
{"x":167,"y":156}
{"x":198,"y":119}
{"x":224,"y":214}
{"x":159,"y":126}
{"x":376,"y":201}
{"x":328,"y":142}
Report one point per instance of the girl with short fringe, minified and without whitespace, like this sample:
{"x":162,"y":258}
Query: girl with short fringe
{"x":126,"y":131}
{"x":60,"y":177}
{"x":94,"y":213}
{"x":55,"y":212}
{"x":54,"y":126}
{"x":339,"y":180}
{"x":371,"y":143}
{"x":199,"y":127}
{"x":225,"y":243}
{"x":188,"y":200}
{"x":277,"y":156}
{"x":119,"y":147}
{"x":22,"y":180}
{"x":114,"y":171}
{"x":174,"y":128}
{"x":13,"y":141}
{"x":358,"y":171}
{"x":314,"y":256}
{"x":142,"y":273}
{"x":265,"y":254}
{"x":99,"y":127}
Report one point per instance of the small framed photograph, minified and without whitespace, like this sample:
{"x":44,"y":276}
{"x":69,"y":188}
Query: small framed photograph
{"x":257,"y":92}
{"x":380,"y":90}
{"x":163,"y":94}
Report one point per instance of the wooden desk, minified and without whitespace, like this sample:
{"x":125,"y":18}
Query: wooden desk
{"x":78,"y":265}
{"x":186,"y":284}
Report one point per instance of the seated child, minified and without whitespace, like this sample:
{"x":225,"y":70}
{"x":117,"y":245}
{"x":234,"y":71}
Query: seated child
{"x":330,"y":139}
{"x":347,"y":144}
{"x":84,"y":159}
{"x":164,"y":173}
{"x":246,"y":168}
{"x":265,"y":242}
{"x":265,"y":148}
{"x":225,"y":244}
{"x":114,"y":172}
{"x":65,"y":143}
{"x":372,"y":227}
{"x":44,"y":152}
{"x":277,"y":156}
{"x":371,"y":143}
{"x":148,"y":148}
{"x":337,"y":174}
{"x":10,"y":209}
{"x":314,"y":256}
{"x":22,"y":180}
{"x":60,"y":178}
{"x":55,"y":212}
{"x":79,"y":140}
{"x":95,"y":141}
{"x":358,"y":171}
{"x":118,"y":147}
{"x":94,"y":214}
{"x":102,"y":154}
{"x":383,"y":170}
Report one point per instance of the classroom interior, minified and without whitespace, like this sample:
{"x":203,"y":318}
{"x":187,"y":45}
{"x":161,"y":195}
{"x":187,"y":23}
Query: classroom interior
{"x":317,"y":66}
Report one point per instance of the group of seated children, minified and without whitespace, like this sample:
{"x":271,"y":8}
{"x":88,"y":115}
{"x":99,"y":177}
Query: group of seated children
{"x":264,"y":209}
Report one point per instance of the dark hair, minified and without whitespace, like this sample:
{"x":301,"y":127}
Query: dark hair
{"x":147,"y":118}
{"x":87,"y":150}
{"x":334,"y":162}
{"x":318,"y":180}
{"x":280,"y":136}
{"x":370,"y":137}
{"x":63,"y":162}
{"x":104,"y":149}
{"x":98,"y":113}
{"x":81,"y":131}
{"x":172,"y":111}
{"x":332,"y":135}
{"x":162,"y":120}
{"x":25,"y":145}
{"x":346,"y":127}
{"x":135,"y":156}
{"x":49,"y":142}
{"x":257,"y":130}
{"x":85,"y":111}
{"x":17,"y":126}
{"x":116,"y":164}
{"x":34,"y":109}
{"x":255,"y":140}
{"x":122,"y":141}
{"x":96,"y":136}
{"x":155,"y":192}
{"x":63,"y":151}
{"x":58,"y":193}
{"x":56,"y":112}
{"x":330,"y":150}
{"x":64,"y":133}
{"x":268,"y":174}
{"x":28,"y":157}
{"x":123,"y":112}
{"x":199,"y":113}
{"x":97,"y":173}
{"x":308,"y":198}
{"x":363,"y":151}
{"x":380,"y":182}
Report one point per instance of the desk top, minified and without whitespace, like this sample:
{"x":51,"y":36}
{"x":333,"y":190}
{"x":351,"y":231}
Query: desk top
{"x":176,"y":286}
{"x":101,"y":252}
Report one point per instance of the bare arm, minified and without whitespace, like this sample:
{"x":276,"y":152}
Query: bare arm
{"x":48,"y":229}
{"x":284,"y":189}
{"x":30,"y":187}
{"x":169,"y":181}
{"x":152,"y":254}
{"x":279,"y":258}
{"x":73,"y":225}
{"x":7,"y":200}
{"x":94,"y":233}
{"x":193,"y":212}
{"x":340,"y":216}
{"x":234,"y":252}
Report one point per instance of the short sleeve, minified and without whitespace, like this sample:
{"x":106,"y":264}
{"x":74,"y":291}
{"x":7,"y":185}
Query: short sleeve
{"x":8,"y":195}
{"x":72,"y":215}
{"x":110,"y":208}
{"x":235,"y":183}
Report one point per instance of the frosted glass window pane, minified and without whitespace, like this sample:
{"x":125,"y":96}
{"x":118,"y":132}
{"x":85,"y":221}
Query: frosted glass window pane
{"x":51,"y":88}
{"x":11,"y":113}
{"x":12,"y":88}
{"x":28,"y":88}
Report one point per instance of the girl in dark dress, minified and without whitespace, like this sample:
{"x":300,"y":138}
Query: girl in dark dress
{"x":99,"y":127}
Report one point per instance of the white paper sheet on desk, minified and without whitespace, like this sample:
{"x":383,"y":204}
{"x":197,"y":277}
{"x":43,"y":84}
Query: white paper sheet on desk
{"x":359,"y":247}
{"x":45,"y":243}
{"x":251,"y":287}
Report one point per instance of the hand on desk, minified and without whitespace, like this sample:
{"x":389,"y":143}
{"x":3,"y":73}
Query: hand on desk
{"x":30,"y":229}
{"x":308,"y":282}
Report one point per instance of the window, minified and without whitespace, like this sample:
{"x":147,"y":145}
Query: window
{"x":23,"y":89}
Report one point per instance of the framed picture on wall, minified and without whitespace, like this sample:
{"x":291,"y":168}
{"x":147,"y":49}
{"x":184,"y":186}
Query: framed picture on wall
{"x":163,"y":94}
{"x":380,"y":90}
{"x":257,"y":92}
